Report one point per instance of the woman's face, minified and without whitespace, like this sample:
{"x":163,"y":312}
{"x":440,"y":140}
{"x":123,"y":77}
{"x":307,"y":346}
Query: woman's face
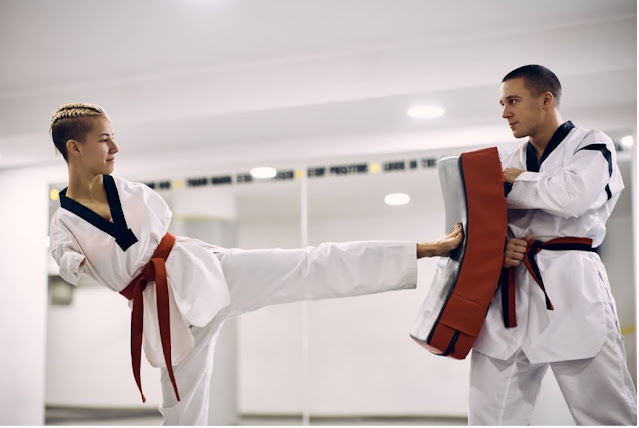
{"x":97,"y":151}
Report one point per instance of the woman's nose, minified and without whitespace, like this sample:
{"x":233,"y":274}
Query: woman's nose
{"x":113,"y":147}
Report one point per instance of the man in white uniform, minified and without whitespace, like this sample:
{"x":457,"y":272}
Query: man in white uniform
{"x":562,"y":186}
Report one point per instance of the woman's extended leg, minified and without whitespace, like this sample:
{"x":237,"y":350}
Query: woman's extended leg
{"x":259,"y":278}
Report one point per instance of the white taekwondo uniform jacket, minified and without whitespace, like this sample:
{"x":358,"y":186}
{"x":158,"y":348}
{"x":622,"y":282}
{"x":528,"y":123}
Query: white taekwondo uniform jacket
{"x":198,"y":272}
{"x":569,"y":192}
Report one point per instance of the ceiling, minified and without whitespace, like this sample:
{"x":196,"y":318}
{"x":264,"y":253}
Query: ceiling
{"x":220,"y":83}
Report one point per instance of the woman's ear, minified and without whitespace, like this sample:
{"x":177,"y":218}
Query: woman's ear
{"x":73,"y":148}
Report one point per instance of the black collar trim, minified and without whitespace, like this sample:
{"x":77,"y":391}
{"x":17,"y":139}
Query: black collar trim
{"x":531,"y":153}
{"x":124,"y":236}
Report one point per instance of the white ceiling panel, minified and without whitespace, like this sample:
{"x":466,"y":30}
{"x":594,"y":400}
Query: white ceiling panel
{"x":257,"y":80}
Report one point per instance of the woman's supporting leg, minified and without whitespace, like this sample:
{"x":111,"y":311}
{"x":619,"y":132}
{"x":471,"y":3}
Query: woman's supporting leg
{"x":193,"y":377}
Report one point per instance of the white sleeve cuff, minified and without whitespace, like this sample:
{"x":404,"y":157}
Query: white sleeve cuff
{"x":70,"y":269}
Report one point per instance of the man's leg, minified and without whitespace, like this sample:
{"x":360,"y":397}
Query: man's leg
{"x":503,"y":392}
{"x":599,"y":390}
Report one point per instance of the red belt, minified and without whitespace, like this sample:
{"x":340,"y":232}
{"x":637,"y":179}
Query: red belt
{"x":507,"y":279}
{"x":155,"y":270}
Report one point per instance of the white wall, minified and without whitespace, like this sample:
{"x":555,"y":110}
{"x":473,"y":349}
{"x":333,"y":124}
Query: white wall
{"x":23,"y":306}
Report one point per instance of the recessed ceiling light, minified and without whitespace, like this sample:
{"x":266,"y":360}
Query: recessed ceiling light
{"x":396,"y":199}
{"x":422,"y":112}
{"x":263,"y":172}
{"x":627,"y":141}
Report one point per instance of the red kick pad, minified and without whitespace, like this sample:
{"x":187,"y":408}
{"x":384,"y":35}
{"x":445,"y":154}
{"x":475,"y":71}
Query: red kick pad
{"x":464,"y":284}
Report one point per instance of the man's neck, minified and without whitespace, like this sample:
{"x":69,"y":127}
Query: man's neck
{"x":541,"y":139}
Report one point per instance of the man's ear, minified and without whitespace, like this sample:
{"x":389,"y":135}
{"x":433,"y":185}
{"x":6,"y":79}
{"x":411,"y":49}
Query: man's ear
{"x":73,"y":148}
{"x":549,"y":100}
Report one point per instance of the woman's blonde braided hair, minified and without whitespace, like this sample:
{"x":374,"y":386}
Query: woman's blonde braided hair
{"x":72,"y":122}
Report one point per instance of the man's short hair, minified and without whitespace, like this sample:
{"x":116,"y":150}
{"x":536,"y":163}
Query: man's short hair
{"x":538,"y":79}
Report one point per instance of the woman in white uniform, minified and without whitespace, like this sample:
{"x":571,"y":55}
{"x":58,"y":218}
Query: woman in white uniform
{"x":182,"y":289}
{"x":565,"y":182}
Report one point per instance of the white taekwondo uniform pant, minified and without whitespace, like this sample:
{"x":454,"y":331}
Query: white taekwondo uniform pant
{"x":598,"y":390}
{"x":193,"y":373}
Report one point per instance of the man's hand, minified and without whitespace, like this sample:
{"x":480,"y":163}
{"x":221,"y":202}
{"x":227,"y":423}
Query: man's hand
{"x":511,"y":173}
{"x":514,"y":252}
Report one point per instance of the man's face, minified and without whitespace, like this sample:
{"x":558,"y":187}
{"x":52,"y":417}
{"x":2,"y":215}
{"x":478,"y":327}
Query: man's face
{"x":522,"y":109}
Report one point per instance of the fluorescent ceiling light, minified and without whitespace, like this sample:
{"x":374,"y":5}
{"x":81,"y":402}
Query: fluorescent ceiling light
{"x":396,"y":199}
{"x":422,"y":112}
{"x":263,"y":172}
{"x":627,"y":141}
